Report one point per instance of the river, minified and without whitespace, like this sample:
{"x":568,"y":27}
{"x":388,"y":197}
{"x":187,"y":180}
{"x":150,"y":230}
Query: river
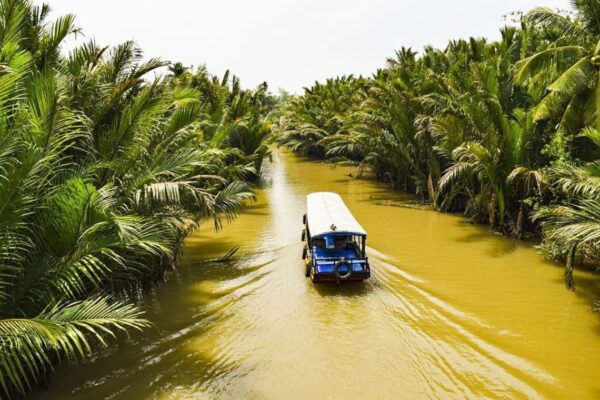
{"x":451,"y":311}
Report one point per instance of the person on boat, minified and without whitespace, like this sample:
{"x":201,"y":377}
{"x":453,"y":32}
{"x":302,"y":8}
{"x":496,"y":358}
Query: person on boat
{"x":343,"y":242}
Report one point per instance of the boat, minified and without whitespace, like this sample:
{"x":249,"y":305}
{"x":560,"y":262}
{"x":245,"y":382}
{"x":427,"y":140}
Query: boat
{"x":334,"y":242}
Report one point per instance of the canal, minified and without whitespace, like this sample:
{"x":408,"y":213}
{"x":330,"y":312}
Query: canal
{"x":451,"y":311}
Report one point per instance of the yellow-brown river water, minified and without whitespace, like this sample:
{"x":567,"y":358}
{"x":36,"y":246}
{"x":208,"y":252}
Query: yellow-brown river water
{"x":451,"y":311}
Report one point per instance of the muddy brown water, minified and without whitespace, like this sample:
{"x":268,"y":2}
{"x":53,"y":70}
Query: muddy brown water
{"x":451,"y":311}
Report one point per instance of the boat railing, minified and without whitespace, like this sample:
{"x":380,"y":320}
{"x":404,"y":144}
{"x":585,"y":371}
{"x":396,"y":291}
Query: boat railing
{"x":351,"y":261}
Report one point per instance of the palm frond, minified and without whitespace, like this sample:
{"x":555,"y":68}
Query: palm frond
{"x":63,"y":329}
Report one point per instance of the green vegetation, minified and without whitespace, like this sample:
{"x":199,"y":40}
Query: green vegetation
{"x":507,"y":132}
{"x":103,"y":172}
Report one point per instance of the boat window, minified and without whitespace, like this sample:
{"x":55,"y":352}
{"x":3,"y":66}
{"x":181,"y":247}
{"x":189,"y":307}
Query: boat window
{"x":318,"y":243}
{"x":337,"y":242}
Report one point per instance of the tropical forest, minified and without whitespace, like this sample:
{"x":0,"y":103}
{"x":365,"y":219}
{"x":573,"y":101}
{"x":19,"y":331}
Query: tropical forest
{"x":153,"y":220}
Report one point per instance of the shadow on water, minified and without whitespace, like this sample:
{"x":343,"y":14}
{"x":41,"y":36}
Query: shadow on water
{"x":502,"y":247}
{"x":214,"y":270}
{"x":381,"y":195}
{"x":344,"y":289}
{"x":342,"y":180}
{"x":197,"y":252}
{"x":395,"y":200}
{"x":587,"y":287}
{"x":497,"y":248}
{"x":257,"y":209}
{"x":168,"y":366}
{"x":180,"y":356}
{"x":587,"y":284}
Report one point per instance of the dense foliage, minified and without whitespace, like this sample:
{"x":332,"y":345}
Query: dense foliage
{"x":506,"y":131}
{"x":103,"y":172}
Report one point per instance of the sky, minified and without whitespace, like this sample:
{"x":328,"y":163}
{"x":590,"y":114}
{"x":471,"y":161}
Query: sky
{"x":288,"y":43}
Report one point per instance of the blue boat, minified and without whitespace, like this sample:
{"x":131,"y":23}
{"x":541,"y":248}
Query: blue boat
{"x":334,"y":242}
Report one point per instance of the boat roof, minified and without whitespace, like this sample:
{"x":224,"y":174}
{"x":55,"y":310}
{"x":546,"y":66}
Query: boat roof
{"x":327,"y":213}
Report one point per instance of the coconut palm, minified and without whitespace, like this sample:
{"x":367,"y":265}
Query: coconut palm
{"x":565,"y":71}
{"x":231,"y":119}
{"x":305,"y":122}
{"x":450,"y":126}
{"x":572,"y":227}
{"x":103,"y":172}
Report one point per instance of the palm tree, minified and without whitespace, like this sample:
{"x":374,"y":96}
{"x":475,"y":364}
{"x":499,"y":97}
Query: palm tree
{"x":305,"y":122}
{"x":234,"y":120}
{"x":565,"y":72}
{"x":450,"y":126}
{"x":572,"y":226}
{"x":102,"y":174}
{"x":35,"y":141}
{"x":177,"y":69}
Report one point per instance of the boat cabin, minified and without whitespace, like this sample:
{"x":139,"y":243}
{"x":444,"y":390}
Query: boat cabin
{"x":334,"y":242}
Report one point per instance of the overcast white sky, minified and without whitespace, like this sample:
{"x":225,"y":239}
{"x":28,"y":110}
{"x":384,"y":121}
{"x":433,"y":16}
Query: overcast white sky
{"x":288,"y":43}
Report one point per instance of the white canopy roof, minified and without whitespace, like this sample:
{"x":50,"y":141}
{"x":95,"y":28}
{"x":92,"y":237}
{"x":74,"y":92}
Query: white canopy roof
{"x":326,"y":213}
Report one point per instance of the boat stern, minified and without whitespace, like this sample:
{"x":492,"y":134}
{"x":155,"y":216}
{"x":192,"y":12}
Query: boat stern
{"x":338,"y":270}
